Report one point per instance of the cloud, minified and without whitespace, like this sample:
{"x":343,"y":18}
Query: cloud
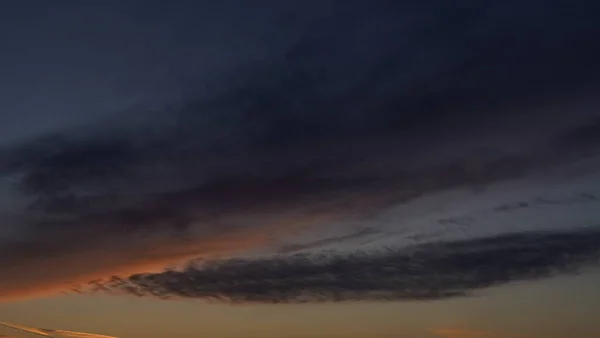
{"x":75,"y":334}
{"x":52,"y":332}
{"x":23,"y":328}
{"x":422,"y":272}
{"x":85,"y":207}
{"x":316,"y":134}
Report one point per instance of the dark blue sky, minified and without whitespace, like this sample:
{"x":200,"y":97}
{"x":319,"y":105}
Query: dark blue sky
{"x":70,"y":62}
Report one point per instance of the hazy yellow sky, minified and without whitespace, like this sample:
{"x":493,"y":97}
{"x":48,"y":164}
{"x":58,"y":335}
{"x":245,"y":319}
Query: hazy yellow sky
{"x":555,"y":308}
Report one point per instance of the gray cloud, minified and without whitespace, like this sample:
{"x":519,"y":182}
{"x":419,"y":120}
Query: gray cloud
{"x":317,"y":126}
{"x":423,"y":272}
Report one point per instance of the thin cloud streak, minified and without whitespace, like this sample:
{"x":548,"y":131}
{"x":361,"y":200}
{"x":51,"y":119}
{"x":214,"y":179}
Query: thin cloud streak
{"x":27,"y":329}
{"x":52,"y":332}
{"x":76,"y":334}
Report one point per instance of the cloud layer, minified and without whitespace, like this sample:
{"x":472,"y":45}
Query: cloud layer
{"x":320,"y":129}
{"x":423,"y":272}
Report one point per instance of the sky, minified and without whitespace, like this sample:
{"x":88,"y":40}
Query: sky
{"x":299,"y":169}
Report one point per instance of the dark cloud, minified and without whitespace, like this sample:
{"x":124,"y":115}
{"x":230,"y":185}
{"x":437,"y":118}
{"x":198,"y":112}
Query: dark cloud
{"x":352,"y":109}
{"x":429,"y":271}
{"x":291,"y":248}
{"x":313,"y":95}
{"x":586,"y":136}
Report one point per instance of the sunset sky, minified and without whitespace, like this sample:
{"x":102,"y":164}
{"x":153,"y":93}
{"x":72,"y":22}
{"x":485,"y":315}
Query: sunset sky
{"x":300,"y":169}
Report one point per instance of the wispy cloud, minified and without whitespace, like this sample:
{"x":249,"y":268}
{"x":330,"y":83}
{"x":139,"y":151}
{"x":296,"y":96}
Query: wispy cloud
{"x":23,"y":328}
{"x":75,"y":334}
{"x":422,"y":272}
{"x":53,"y":332}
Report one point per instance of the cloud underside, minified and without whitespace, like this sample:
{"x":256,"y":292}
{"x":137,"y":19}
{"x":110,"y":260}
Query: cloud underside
{"x":315,"y":135}
{"x":423,"y":272}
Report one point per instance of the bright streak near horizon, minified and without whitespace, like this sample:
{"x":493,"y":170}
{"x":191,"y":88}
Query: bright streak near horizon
{"x":52,"y":332}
